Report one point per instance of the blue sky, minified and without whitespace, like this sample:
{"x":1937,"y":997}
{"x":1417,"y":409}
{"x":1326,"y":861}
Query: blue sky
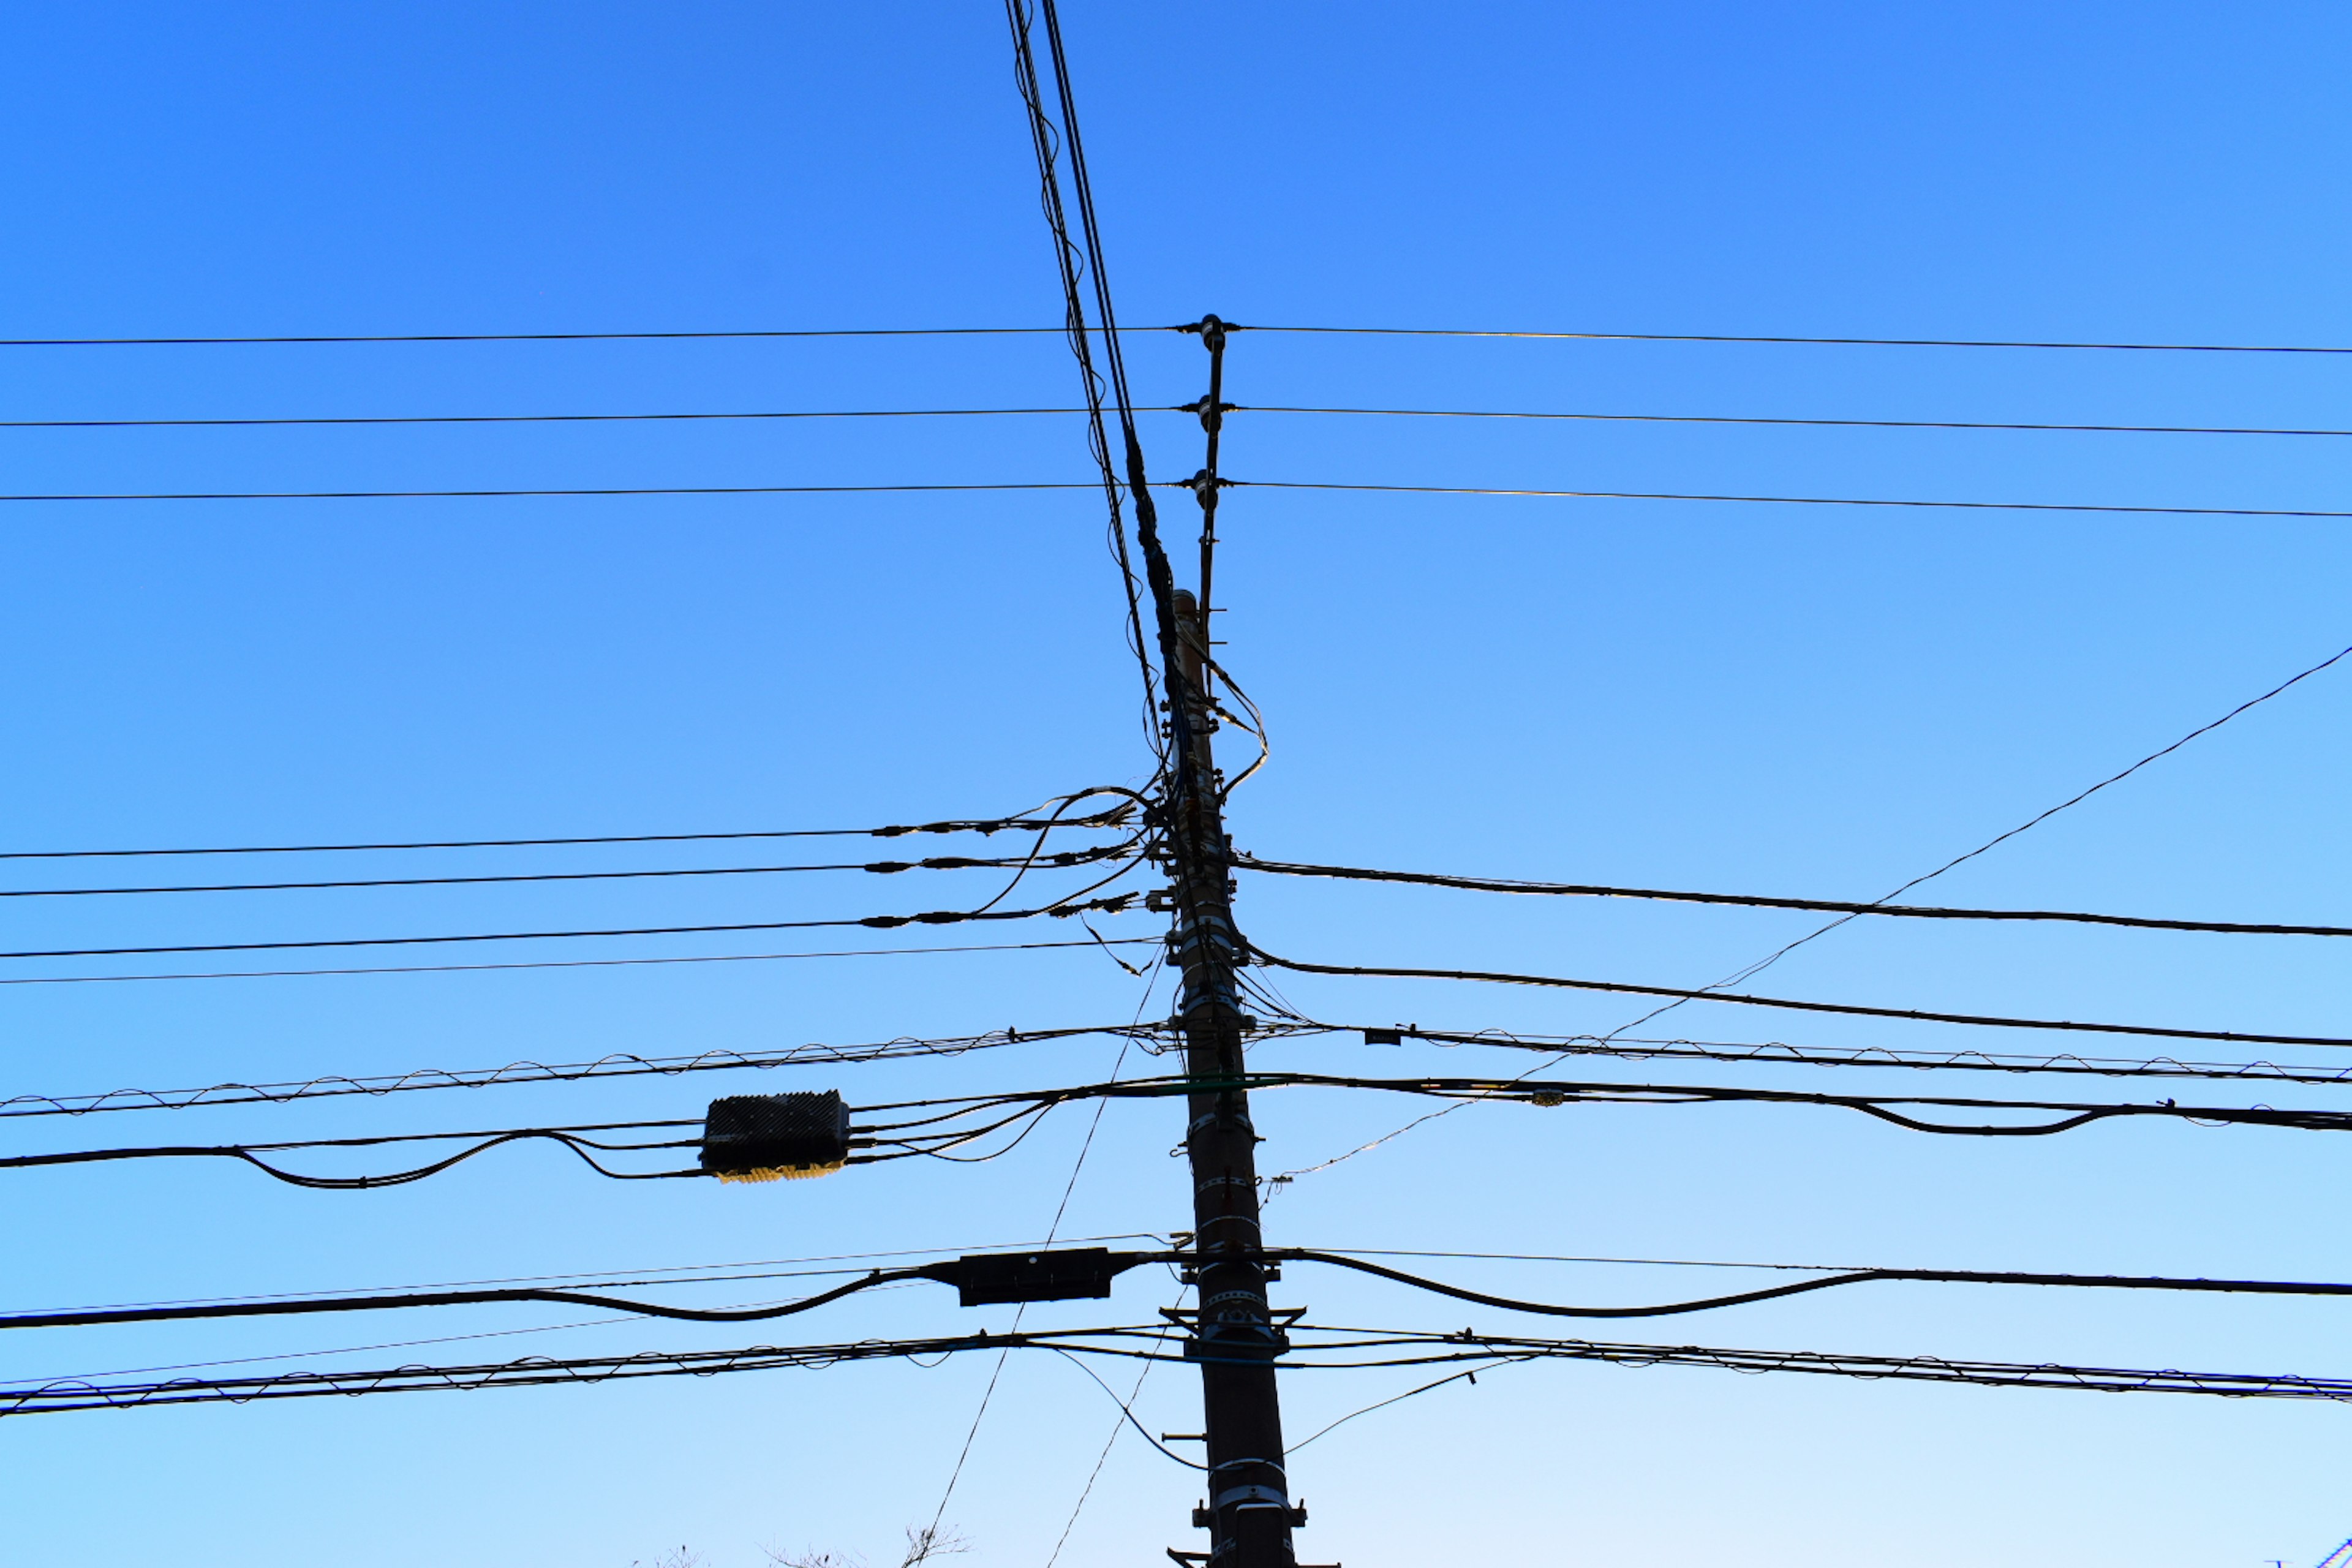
{"x":1815,"y":701}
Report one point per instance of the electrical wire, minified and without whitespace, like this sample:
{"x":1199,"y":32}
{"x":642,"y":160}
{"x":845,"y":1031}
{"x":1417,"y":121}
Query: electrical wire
{"x":760,"y":1268}
{"x":1068,"y":261}
{"x":943,"y":1273}
{"x":408,"y":1300}
{"x":570,"y":1138}
{"x":1114,"y":816}
{"x":1827,"y":424}
{"x":515,"y":418}
{"x":1805,"y":1287}
{"x":1061,"y":910}
{"x":1638,"y":1048}
{"x":539,"y":336}
{"x":1745,"y":500}
{"x":77,"y":1393}
{"x":1481,"y":1347}
{"x":1529,"y":1089}
{"x":509,"y":494}
{"x":583,"y":962}
{"x":1062,"y":860}
{"x":1838,"y":343}
{"x":1367,"y":1348}
{"x":1974,"y":1020}
{"x":1915,"y":912}
{"x":1230,"y":326}
{"x":616,"y":1065}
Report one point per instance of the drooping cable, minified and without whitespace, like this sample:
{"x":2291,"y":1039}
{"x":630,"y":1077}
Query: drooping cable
{"x":881,"y":923}
{"x":1976,"y":1020}
{"x":1247,"y":862}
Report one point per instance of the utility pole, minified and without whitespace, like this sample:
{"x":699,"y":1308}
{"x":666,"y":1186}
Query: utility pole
{"x":1236,"y":1335}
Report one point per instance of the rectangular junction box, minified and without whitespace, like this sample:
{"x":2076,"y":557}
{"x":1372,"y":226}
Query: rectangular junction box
{"x":769,"y":1137}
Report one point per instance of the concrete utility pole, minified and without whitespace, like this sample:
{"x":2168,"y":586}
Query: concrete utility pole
{"x":1248,"y":1512}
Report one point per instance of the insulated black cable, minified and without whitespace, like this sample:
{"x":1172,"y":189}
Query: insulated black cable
{"x":1068,"y":262}
{"x":1097,"y":942}
{"x":1973,"y":1019}
{"x":517,"y":418}
{"x":1639,"y":1048}
{"x":937,"y":917}
{"x":1549,"y":1092}
{"x":880,"y":868}
{"x":1766,"y":500}
{"x":1915,"y":912}
{"x":1114,"y":817}
{"x":1803,"y":1287}
{"x":1830,"y":424}
{"x":508,"y":494}
{"x":406,"y":1299}
{"x":539,"y":336}
{"x":1858,"y":342}
{"x":244,"y":1154}
{"x":682,"y":1274}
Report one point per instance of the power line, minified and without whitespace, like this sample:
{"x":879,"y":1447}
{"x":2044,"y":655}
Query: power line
{"x":1062,"y":861}
{"x":522,"y":418}
{"x":1766,"y":500}
{"x":77,"y":1393}
{"x":1913,"y":1015}
{"x":1805,"y":1287}
{"x":982,"y":825}
{"x":1033,"y":331}
{"x":1824,"y":424}
{"x":1637,"y":1048}
{"x":691,"y":416}
{"x":512,"y":494}
{"x":250,"y":1154}
{"x":576,"y":963}
{"x":1831,"y":342}
{"x":614,"y":1278}
{"x":542,"y":337}
{"x":1915,"y":912}
{"x":949,"y":1270}
{"x":1113,"y":905}
{"x":1552,"y":1092}
{"x":623,"y":1065}
{"x":1140,"y":1342}
{"x":1918,"y":1369}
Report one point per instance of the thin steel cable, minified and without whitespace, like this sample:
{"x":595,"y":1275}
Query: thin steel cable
{"x":1786,"y":501}
{"x":1825,"y":424}
{"x":1748,"y":972}
{"x":1836,"y":342}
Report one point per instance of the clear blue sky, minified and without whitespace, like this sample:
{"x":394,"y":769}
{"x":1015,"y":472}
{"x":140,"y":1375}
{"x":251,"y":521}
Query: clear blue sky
{"x":1814,"y":701}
